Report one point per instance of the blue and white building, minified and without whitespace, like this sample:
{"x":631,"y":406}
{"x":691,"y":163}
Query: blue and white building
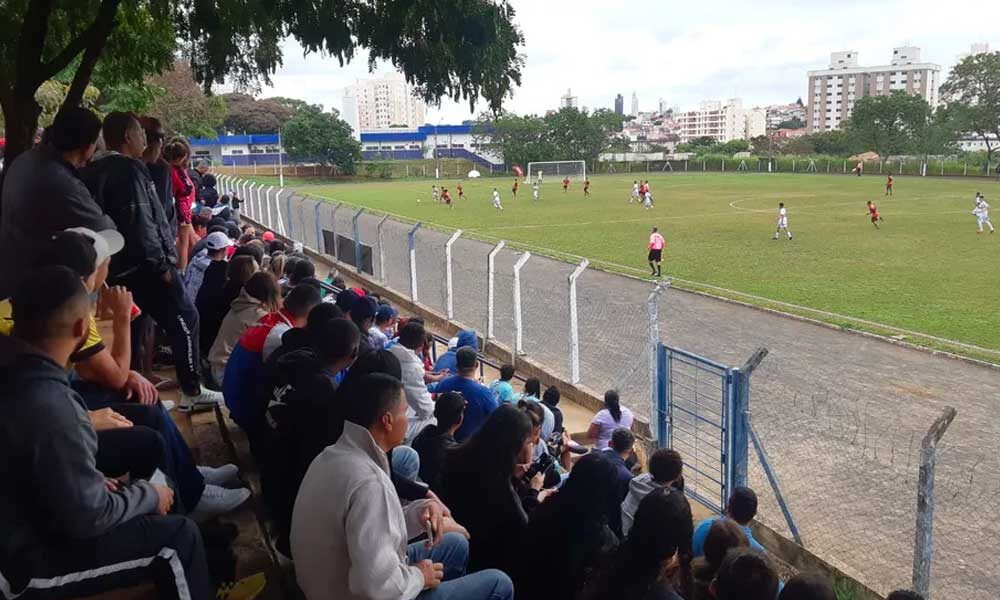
{"x":426,"y":141}
{"x":239,"y":150}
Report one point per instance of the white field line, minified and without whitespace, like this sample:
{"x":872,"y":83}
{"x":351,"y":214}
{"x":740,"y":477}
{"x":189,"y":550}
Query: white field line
{"x":724,"y":292}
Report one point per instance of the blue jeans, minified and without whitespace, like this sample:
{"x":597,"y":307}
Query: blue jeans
{"x":405,"y":462}
{"x":453,"y":553}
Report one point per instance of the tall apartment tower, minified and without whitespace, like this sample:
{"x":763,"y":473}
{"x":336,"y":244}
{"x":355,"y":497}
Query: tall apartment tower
{"x":619,"y":105}
{"x":635,"y":105}
{"x":833,"y":91}
{"x":569,"y":100}
{"x":382,"y":103}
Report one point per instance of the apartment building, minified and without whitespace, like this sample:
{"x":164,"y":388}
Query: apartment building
{"x":833,"y":91}
{"x":568,"y":100}
{"x":382,"y":103}
{"x":722,"y":122}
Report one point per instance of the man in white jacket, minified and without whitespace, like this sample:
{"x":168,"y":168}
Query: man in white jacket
{"x":349,"y":532}
{"x":420,"y":405}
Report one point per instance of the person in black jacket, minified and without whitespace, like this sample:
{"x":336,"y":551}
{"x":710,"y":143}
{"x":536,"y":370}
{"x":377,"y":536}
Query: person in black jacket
{"x":63,"y":522}
{"x":551,"y":400}
{"x":477,"y":484}
{"x":434,"y":440}
{"x":43,"y":194}
{"x":121,"y":184}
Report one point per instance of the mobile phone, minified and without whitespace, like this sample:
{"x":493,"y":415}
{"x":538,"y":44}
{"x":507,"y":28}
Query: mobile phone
{"x":429,"y":530}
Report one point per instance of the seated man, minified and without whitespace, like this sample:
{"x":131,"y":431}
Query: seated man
{"x":619,"y":450}
{"x":665,"y":469}
{"x":435,"y":439}
{"x":350,"y":533}
{"x":479,"y":397}
{"x":742,"y":508}
{"x":66,"y":526}
{"x":745,"y":574}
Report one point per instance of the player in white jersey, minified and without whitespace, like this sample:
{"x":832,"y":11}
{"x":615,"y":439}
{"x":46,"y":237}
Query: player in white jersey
{"x":782,"y":221}
{"x":534,"y":191}
{"x":647,"y":200}
{"x":434,"y":192}
{"x":496,"y":200}
{"x":635,"y":192}
{"x":538,"y":181}
{"x":982,"y":212}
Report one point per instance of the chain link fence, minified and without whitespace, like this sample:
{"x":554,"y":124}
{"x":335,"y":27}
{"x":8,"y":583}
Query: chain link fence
{"x":840,"y":417}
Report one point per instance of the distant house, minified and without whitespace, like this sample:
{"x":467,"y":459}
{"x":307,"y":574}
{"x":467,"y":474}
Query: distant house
{"x":426,"y":141}
{"x":239,"y":150}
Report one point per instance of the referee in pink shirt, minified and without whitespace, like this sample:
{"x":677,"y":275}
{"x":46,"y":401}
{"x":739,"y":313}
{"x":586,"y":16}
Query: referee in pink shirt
{"x":656,"y":244}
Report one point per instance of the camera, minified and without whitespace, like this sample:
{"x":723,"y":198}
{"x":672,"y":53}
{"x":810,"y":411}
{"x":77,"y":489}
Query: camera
{"x":541,"y":465}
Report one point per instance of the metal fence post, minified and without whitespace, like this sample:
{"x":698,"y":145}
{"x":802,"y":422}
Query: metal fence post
{"x":653,"y":312}
{"x":490,"y":292}
{"x":288,"y":211}
{"x":357,"y":239}
{"x":267,"y":199}
{"x":319,"y":231}
{"x":449,"y":298}
{"x":411,"y":238}
{"x":739,"y":422}
{"x":518,"y":343}
{"x":574,"y":332}
{"x":664,"y":434}
{"x":923,"y":548}
{"x":381,"y":249}
{"x":250,"y":202}
{"x":333,"y":229}
{"x":245,"y":196}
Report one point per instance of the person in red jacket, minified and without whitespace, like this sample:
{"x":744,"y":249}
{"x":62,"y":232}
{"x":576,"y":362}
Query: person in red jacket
{"x":177,"y":152}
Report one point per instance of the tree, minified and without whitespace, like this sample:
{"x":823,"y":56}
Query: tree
{"x":698,"y":145}
{"x":246,"y":115}
{"x":313,"y":135}
{"x":569,"y":134}
{"x":887,"y":124}
{"x":793,"y":123}
{"x":518,"y":139}
{"x":836,"y":142}
{"x":460,"y":49}
{"x":732,"y":147}
{"x":182,"y":107}
{"x":972,"y":92}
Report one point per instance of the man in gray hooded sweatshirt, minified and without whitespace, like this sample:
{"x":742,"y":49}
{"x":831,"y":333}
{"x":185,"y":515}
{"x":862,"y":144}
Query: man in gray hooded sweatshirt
{"x":665,"y":469}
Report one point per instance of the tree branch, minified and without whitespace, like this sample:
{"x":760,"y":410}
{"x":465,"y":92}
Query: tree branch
{"x":29,"y":47}
{"x":99,"y":32}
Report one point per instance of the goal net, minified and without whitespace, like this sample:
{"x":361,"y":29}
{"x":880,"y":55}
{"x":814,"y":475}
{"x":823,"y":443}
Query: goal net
{"x":557,"y":170}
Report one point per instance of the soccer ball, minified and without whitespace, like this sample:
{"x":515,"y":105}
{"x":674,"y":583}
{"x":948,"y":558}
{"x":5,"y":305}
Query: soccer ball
{"x":418,"y":200}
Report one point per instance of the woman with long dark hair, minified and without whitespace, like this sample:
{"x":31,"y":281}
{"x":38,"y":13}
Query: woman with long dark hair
{"x":569,"y":532}
{"x":653,"y":563}
{"x":477,"y":484}
{"x":609,"y":418}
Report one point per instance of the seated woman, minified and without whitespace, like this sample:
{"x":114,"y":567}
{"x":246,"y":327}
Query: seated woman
{"x":653,"y":562}
{"x":477,"y":484}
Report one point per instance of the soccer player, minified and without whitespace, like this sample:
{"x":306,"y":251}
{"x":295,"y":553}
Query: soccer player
{"x":446,"y":196}
{"x":565,"y":184}
{"x":873,"y":211}
{"x":888,"y":186}
{"x":635,"y":192}
{"x":534,"y":192}
{"x":656,"y":244}
{"x":647,"y":199}
{"x":586,"y":187}
{"x":859,"y":168}
{"x":782,"y":221}
{"x":538,"y":181}
{"x":514,"y":187}
{"x":496,"y":200}
{"x":461,"y":192}
{"x":982,"y":212}
{"x":434,"y":193}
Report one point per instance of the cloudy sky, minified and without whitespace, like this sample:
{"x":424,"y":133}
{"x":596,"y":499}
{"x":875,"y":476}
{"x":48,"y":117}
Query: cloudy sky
{"x":685,"y":52}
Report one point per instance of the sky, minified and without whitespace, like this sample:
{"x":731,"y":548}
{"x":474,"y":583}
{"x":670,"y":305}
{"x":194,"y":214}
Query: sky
{"x":683,"y":52}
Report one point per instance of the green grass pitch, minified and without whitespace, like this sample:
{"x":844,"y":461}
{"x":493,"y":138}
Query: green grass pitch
{"x":926,"y":270}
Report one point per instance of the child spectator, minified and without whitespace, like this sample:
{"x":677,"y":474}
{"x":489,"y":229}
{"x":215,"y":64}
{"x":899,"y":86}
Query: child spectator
{"x":745,"y":574}
{"x":551,"y":400}
{"x":209,"y":196}
{"x":532,"y":390}
{"x":176,"y":153}
{"x":742,"y":508}
{"x":665,"y":470}
{"x":501,"y":388}
{"x":723,"y":535}
{"x":383,"y":329}
{"x":434,"y":440}
{"x":220,"y":286}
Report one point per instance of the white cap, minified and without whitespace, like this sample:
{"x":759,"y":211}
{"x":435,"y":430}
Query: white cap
{"x":107,"y":243}
{"x":217,"y":241}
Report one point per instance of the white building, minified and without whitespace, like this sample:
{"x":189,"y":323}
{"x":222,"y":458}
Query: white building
{"x":662,"y":106}
{"x":635,"y":105}
{"x":383,"y":103}
{"x":833,"y":91}
{"x":569,"y":100}
{"x":721,"y":122}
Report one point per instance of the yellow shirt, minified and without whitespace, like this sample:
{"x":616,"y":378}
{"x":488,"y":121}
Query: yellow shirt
{"x":92,"y":346}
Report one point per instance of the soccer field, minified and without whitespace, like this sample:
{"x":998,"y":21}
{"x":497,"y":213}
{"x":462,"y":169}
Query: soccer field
{"x":925,"y":270}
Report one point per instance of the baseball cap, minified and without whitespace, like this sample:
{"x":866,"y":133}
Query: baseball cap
{"x":364,"y":308}
{"x":465,"y":358}
{"x":217,"y":241}
{"x":107,"y":242}
{"x":267,"y":236}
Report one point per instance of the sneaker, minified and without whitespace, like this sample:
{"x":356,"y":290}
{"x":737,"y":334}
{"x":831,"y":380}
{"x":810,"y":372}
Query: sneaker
{"x":217,"y":501}
{"x":247,"y":588}
{"x":224,"y":476}
{"x":168,"y":405}
{"x":206,"y":399}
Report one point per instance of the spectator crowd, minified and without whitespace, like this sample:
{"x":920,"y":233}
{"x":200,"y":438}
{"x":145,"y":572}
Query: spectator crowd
{"x":386,"y":471}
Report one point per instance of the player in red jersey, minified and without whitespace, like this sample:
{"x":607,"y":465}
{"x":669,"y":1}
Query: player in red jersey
{"x":461,"y":192}
{"x":514,"y":187}
{"x":586,"y":187}
{"x":888,"y":186}
{"x":873,"y":212}
{"x":446,"y":196}
{"x":565,"y":184}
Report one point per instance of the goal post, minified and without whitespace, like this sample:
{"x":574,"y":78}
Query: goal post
{"x":558,"y":169}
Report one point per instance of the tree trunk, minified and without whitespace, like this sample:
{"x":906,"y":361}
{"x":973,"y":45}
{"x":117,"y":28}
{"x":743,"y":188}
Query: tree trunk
{"x":21,"y":121}
{"x":96,"y":38}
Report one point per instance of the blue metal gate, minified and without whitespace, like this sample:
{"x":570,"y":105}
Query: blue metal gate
{"x":701,"y":409}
